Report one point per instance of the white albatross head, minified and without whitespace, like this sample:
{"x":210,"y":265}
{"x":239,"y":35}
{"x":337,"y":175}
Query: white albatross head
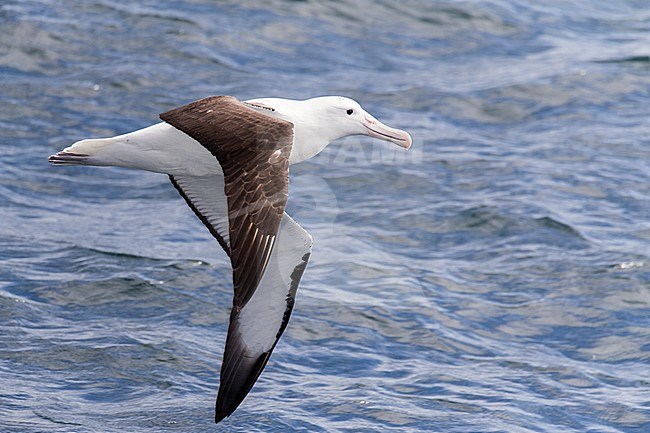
{"x":319,"y":121}
{"x":346,"y":117}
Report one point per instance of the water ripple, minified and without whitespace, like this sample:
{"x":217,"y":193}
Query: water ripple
{"x":495,"y":278}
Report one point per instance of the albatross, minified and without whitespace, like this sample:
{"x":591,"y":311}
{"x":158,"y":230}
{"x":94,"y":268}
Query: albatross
{"x":229,"y":160}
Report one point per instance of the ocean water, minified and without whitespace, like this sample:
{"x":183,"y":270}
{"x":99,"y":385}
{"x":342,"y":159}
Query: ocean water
{"x":495,"y":278}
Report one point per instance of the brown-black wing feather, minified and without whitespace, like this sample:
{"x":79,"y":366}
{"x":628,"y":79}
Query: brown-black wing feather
{"x":253,"y":150}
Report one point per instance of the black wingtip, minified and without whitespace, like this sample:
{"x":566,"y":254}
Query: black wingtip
{"x":226,"y":406}
{"x":236,"y":385}
{"x":220,"y":416}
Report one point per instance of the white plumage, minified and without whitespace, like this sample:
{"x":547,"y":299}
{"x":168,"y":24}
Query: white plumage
{"x":196,"y":157}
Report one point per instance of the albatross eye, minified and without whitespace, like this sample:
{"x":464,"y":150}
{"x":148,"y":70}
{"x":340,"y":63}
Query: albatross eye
{"x":350,"y":111}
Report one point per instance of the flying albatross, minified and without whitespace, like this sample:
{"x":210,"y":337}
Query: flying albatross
{"x":229,"y":160}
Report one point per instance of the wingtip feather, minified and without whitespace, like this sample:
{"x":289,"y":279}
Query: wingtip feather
{"x":220,"y":416}
{"x":237,"y":381}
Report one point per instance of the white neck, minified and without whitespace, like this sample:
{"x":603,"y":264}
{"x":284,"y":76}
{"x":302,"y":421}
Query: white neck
{"x":311,"y":132}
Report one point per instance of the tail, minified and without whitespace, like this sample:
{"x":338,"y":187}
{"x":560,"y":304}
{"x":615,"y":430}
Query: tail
{"x":160,"y":148}
{"x":83,"y":152}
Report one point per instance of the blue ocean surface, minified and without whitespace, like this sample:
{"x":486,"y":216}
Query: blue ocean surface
{"x":494,"y":278}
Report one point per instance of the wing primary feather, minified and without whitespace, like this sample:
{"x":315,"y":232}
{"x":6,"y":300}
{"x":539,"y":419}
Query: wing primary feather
{"x":254,"y":331}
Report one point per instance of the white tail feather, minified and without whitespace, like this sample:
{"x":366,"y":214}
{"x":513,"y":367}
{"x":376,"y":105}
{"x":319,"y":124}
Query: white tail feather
{"x":90,"y":147}
{"x":159,"y":148}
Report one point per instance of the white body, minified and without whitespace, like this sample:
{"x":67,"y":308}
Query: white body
{"x":162,"y":148}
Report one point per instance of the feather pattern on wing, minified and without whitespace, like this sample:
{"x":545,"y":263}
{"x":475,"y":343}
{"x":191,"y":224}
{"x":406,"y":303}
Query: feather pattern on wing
{"x":253,"y":150}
